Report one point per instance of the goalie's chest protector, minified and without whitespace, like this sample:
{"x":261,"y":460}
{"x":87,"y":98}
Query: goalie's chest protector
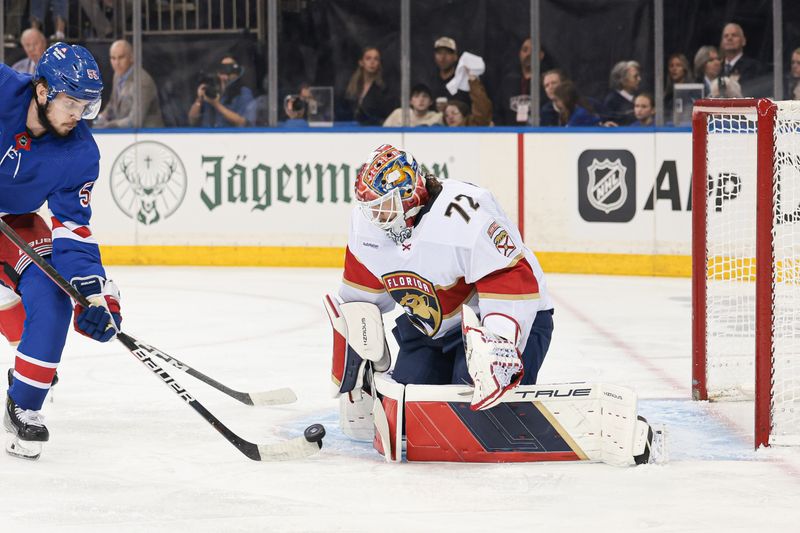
{"x":463,"y":237}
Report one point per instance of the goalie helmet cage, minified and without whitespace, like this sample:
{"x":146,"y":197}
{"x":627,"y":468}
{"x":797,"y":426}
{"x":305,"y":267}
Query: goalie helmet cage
{"x":746,"y":260}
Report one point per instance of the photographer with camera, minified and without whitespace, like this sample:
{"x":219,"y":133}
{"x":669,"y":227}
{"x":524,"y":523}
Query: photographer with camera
{"x":224,"y":101}
{"x":296,"y":107}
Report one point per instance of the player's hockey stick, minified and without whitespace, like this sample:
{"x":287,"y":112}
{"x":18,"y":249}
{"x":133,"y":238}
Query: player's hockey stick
{"x":269,"y":397}
{"x":296,"y":448}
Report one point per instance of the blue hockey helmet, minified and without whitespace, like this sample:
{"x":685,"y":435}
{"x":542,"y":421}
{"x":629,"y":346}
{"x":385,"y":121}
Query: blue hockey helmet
{"x":72,"y":70}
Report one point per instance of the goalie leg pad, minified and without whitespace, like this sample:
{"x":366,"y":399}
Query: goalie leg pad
{"x":389,"y":412}
{"x":355,"y":415}
{"x":562,"y":422}
{"x":12,"y":315}
{"x":358,"y":337}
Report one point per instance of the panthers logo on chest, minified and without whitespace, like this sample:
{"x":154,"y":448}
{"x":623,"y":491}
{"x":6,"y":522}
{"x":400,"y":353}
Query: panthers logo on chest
{"x":417,"y":297}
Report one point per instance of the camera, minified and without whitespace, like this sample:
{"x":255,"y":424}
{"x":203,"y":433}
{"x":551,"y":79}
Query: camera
{"x":212,"y":86}
{"x":295,"y":106}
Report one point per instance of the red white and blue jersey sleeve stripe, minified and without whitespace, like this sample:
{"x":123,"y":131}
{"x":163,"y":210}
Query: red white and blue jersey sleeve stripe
{"x":361,"y":285}
{"x":75,"y":250}
{"x":509,"y":300}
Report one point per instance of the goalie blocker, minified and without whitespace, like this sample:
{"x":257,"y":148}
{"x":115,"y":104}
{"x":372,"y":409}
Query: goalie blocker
{"x":563,"y":422}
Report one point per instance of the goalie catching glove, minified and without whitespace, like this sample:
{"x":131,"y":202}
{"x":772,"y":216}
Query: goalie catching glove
{"x":493,"y":362}
{"x":102,"y":319}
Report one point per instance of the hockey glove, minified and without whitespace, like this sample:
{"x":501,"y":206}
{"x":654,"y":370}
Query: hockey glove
{"x":102,"y":319}
{"x":493,"y":362}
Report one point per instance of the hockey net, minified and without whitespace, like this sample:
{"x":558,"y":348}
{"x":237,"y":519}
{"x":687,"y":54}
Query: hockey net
{"x":746,"y":250}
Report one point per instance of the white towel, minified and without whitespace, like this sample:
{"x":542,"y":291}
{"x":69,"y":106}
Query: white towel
{"x":468,"y":64}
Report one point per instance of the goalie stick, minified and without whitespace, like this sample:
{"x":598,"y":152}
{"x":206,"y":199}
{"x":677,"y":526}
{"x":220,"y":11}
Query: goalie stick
{"x":270,"y":397}
{"x":296,"y":448}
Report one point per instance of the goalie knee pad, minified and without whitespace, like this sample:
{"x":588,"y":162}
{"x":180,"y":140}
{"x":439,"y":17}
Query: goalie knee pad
{"x":358,"y":337}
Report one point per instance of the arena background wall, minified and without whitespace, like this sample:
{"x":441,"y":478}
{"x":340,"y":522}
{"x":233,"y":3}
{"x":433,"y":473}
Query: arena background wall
{"x":591,"y":202}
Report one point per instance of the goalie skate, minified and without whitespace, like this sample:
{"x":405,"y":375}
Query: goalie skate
{"x":27,"y":430}
{"x":650,"y":446}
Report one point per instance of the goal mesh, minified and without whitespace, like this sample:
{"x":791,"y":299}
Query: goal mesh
{"x":732,"y":205}
{"x":785,"y":404}
{"x":730,"y":254}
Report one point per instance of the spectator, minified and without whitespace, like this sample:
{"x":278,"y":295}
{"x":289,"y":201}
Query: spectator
{"x":445,"y":56}
{"x":121,"y":112}
{"x":479,"y":113}
{"x":791,"y":86}
{"x":39,"y":11}
{"x":224,"y":103}
{"x":34,"y":44}
{"x":100,"y":14}
{"x":296,"y":108}
{"x":420,"y":113}
{"x":707,"y":66}
{"x":550,"y":80}
{"x":514,"y":95}
{"x":678,"y":71}
{"x":644,"y":109}
{"x":746,"y":70}
{"x":624,"y":83}
{"x":572,"y":109}
{"x":367,"y":93}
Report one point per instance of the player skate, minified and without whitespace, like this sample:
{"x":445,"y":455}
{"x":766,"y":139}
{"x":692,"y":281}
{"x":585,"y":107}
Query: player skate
{"x":27,"y":430}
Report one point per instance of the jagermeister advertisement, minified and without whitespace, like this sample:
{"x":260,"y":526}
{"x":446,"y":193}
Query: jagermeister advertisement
{"x":261,"y":189}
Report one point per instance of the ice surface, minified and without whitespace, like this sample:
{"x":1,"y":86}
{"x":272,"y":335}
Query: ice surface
{"x":127,"y":455}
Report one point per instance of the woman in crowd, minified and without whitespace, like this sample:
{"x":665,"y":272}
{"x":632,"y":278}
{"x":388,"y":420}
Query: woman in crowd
{"x":367,"y":93}
{"x":644,"y":109}
{"x":624,"y":81}
{"x":678,"y":71}
{"x":572,"y":109}
{"x":707,"y":66}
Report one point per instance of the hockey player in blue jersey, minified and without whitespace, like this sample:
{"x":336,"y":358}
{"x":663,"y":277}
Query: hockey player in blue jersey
{"x":47,"y":153}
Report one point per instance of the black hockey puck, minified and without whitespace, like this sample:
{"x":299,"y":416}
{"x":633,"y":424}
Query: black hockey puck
{"x":314,"y":433}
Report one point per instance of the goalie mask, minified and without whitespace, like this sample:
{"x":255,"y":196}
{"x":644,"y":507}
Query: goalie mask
{"x":390,"y":190}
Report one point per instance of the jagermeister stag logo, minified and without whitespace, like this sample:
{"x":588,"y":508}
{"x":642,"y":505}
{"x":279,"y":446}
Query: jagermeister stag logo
{"x":148,"y":181}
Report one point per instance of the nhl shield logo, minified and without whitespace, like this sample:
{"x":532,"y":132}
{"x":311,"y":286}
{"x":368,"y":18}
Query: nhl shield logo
{"x":417,"y":297}
{"x":607,"y":185}
{"x":607,"y":189}
{"x":148,"y":181}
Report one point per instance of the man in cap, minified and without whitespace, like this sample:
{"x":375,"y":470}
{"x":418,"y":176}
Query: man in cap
{"x":445,"y":56}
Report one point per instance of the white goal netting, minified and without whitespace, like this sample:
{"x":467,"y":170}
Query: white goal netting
{"x":731,"y":204}
{"x":785,"y":405}
{"x":730,"y":255}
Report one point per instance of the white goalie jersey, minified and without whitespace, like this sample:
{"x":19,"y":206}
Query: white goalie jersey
{"x":463,"y":250}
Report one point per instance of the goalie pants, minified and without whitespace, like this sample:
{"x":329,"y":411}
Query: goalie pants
{"x":422,"y":360}
{"x":47,"y":313}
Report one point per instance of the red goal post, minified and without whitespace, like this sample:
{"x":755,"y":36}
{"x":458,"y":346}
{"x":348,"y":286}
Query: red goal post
{"x":746,"y":260}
